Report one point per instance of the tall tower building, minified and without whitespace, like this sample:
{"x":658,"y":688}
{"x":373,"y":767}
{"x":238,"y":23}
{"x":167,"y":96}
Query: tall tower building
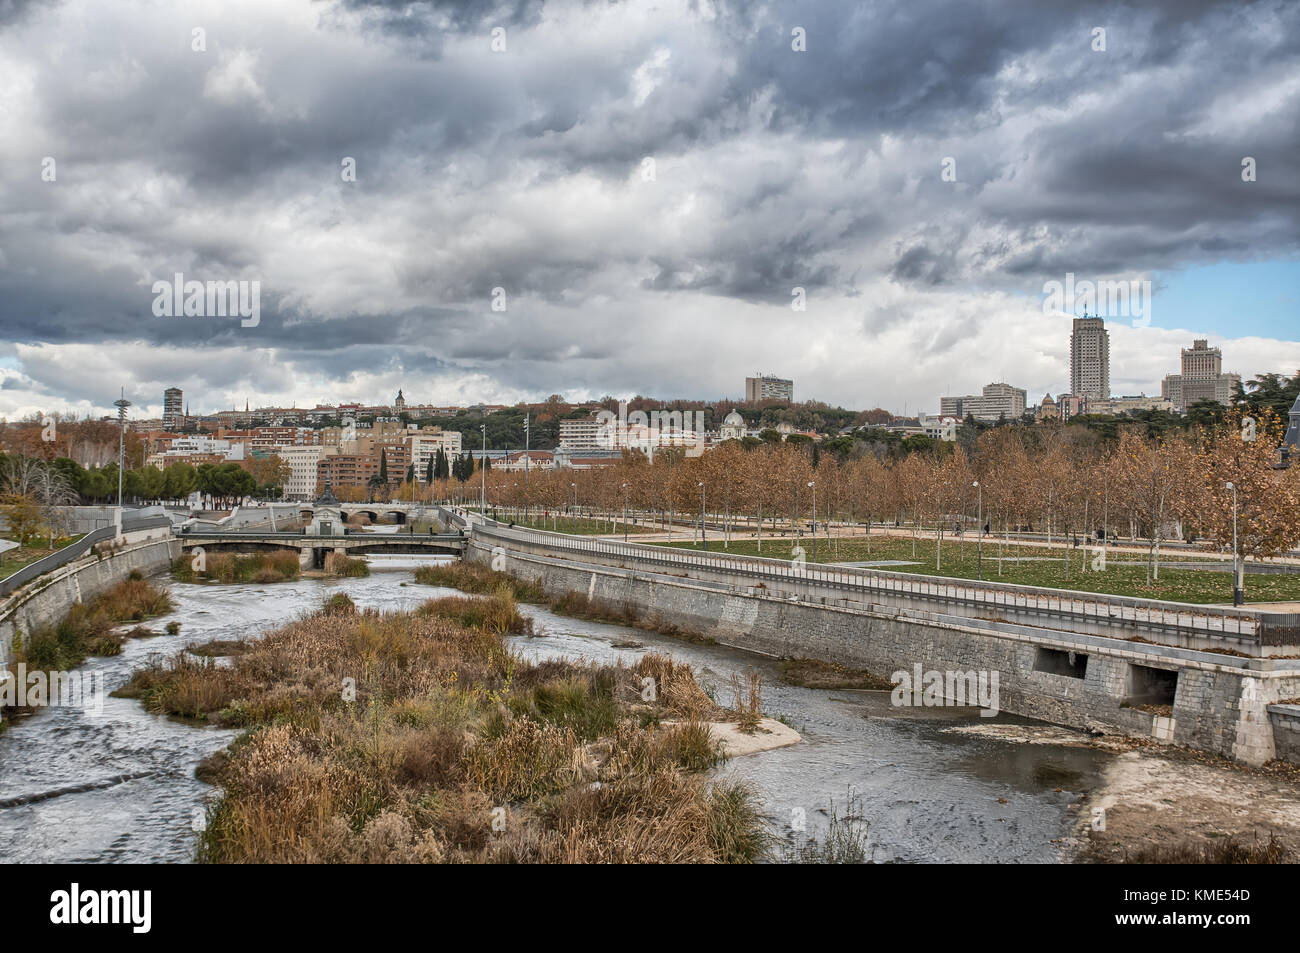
{"x":1090,"y":358}
{"x":1202,"y":378}
{"x":171,"y":407}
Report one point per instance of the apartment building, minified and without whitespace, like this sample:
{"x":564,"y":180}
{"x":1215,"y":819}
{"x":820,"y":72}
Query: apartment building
{"x":997,"y":401}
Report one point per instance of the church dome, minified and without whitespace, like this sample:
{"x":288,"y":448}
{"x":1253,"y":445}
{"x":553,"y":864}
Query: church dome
{"x":734,"y":419}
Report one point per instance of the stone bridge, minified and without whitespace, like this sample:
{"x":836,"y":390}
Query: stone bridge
{"x":312,"y":549}
{"x":376,"y":512}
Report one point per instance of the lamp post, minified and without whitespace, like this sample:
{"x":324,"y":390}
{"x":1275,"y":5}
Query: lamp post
{"x":704,"y":543}
{"x":1236,"y":571}
{"x":121,"y":404}
{"x":482,"y":475}
{"x":813,"y":485}
{"x":625,"y":512}
{"x":575,"y":498}
{"x":979,"y":530}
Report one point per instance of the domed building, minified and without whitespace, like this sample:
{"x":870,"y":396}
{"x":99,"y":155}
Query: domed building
{"x":1047,"y":410}
{"x":733,"y":427}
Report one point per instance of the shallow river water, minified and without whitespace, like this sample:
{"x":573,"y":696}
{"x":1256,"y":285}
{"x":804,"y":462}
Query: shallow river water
{"x":119,"y":786}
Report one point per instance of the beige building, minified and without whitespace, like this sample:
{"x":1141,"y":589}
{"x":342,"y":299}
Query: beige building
{"x":766,"y":387}
{"x":1201,"y":378}
{"x":1090,"y":358}
{"x":1119,"y":406}
{"x":995,"y":402}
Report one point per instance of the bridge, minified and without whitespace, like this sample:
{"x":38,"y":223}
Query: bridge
{"x":375,"y":512}
{"x":312,"y":548}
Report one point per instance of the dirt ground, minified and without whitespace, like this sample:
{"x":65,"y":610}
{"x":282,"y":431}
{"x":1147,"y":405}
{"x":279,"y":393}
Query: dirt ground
{"x":1162,"y":797}
{"x":1155,"y":796}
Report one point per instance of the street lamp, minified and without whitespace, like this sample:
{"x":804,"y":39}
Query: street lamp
{"x":979,"y":530}
{"x":704,"y":543}
{"x":813,"y":485}
{"x":575,"y":498}
{"x":482,"y":475}
{"x":1236,"y":570}
{"x":625,"y":512}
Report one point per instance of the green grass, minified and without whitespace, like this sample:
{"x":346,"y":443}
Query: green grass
{"x":577,"y":525}
{"x":1040,"y":567}
{"x":16,"y":559}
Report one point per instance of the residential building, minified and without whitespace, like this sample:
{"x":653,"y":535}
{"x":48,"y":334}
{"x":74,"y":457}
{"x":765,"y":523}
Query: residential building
{"x":766,"y":387}
{"x":1090,"y":358}
{"x":346,"y":470}
{"x":997,"y":401}
{"x":173,"y":406}
{"x":304,"y":468}
{"x":584,"y":433}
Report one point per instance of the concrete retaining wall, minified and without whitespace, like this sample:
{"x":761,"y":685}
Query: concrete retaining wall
{"x":1219,"y":702}
{"x":47,"y":599}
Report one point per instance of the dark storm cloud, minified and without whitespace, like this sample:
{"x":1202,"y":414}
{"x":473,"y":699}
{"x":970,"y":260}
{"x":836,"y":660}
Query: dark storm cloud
{"x":522,"y":170}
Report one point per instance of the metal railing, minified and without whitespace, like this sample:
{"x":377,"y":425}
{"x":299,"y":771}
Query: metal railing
{"x":75,"y":550}
{"x":1201,"y":620}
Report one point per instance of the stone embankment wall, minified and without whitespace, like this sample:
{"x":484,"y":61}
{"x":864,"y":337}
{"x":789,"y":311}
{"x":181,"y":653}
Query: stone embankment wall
{"x":47,"y":598}
{"x":1215,"y":702}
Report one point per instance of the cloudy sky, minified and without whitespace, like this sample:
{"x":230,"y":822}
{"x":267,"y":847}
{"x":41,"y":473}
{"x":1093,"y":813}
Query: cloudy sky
{"x":647,"y":182}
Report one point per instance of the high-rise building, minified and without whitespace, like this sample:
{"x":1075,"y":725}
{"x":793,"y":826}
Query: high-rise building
{"x":765,"y":387}
{"x":1202,"y":378}
{"x":998,"y":401}
{"x":1090,"y":358}
{"x":172,"y":407}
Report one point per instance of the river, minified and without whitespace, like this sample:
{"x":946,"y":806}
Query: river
{"x":119,"y":786}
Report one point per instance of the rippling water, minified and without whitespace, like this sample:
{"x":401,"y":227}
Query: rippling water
{"x":928,"y":794}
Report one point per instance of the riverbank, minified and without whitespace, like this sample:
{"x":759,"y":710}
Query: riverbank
{"x":1163,"y":804}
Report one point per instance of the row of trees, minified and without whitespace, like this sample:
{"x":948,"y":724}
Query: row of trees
{"x":1056,"y":480}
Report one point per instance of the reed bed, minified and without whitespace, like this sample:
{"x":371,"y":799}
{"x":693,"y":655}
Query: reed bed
{"x":259,"y":568}
{"x":419,"y":737}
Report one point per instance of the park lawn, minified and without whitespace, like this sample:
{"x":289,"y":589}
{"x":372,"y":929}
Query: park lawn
{"x":578,"y":525}
{"x":13,"y":560}
{"x":959,"y":562}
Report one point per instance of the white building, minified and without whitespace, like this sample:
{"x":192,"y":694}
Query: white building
{"x":302,"y":461}
{"x":997,"y":401}
{"x":584,"y":433}
{"x":425,"y":445}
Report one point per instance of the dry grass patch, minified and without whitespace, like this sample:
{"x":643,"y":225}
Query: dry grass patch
{"x":419,"y":737}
